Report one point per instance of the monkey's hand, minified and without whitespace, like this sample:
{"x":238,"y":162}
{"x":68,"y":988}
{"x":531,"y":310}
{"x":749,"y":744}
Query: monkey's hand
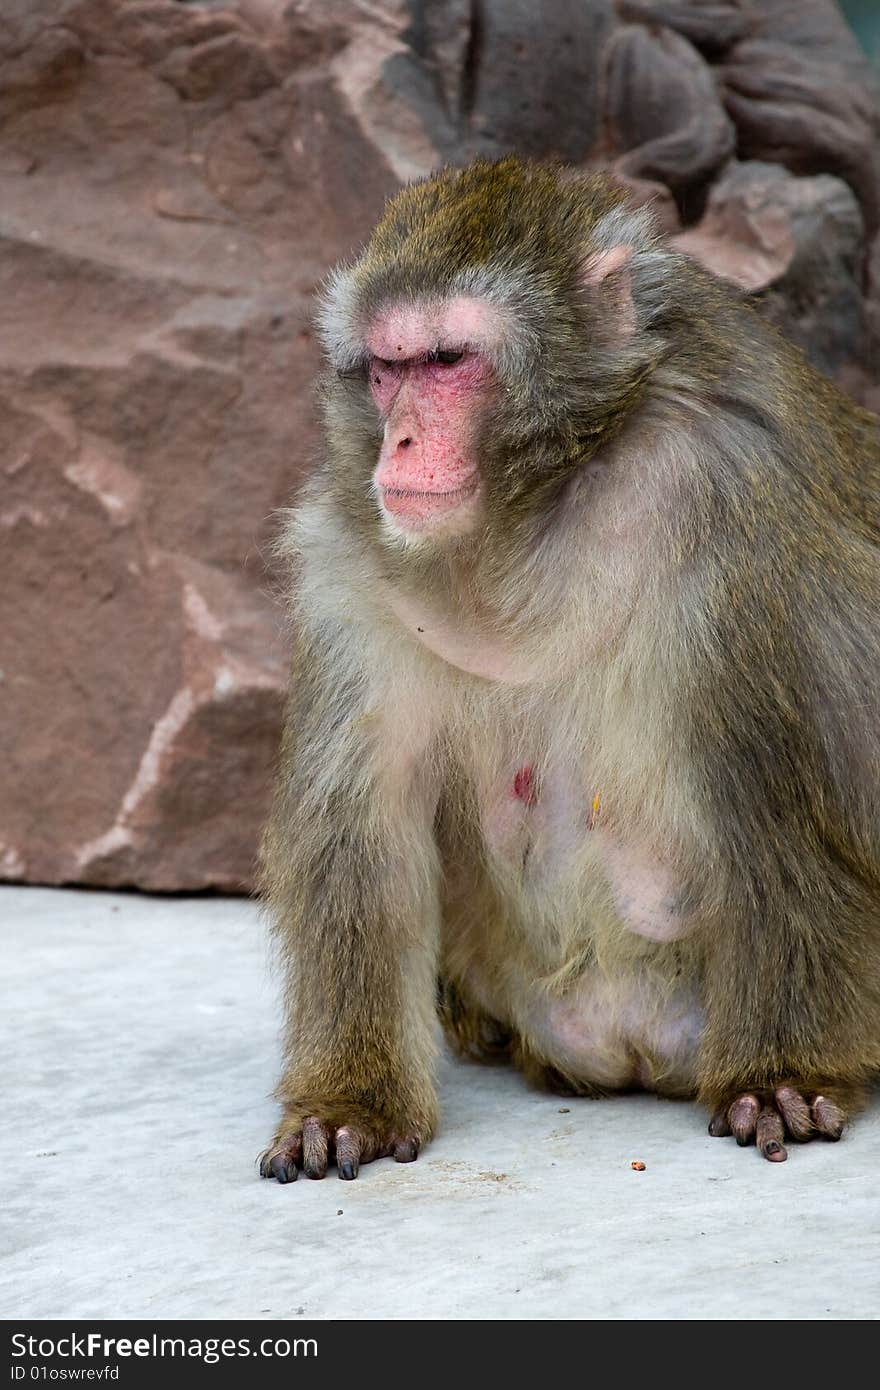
{"x":347,"y":1136}
{"x":767,"y":1117}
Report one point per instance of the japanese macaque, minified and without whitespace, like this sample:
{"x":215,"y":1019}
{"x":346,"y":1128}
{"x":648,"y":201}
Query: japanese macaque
{"x":585,"y":711}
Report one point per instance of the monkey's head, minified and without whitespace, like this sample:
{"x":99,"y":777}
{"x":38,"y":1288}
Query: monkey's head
{"x":496,"y":330}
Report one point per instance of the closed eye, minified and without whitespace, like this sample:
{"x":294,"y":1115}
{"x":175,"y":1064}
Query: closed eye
{"x":357,"y":373}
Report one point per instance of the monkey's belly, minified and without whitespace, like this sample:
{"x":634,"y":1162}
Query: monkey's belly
{"x":554,"y":854}
{"x":622,"y":1033}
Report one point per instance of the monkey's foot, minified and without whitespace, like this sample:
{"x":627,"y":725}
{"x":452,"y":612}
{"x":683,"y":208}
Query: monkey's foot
{"x":766,"y":1118}
{"x":313,"y":1144}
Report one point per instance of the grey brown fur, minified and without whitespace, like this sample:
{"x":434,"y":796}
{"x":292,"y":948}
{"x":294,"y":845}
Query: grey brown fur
{"x":680,"y":564}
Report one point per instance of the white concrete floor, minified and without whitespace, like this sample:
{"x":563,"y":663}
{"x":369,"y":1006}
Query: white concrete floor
{"x":141,"y":1050}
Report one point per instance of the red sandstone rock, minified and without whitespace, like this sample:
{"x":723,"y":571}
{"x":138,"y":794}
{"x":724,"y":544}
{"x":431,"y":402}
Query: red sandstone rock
{"x":171,"y":194}
{"x":174,"y":181}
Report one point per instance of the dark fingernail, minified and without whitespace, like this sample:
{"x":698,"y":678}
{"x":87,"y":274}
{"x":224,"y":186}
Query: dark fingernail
{"x":718,"y":1127}
{"x":312,"y":1170}
{"x":347,"y":1171}
{"x":775,"y":1152}
{"x":283,"y":1171}
{"x":406,"y":1153}
{"x":743,"y":1139}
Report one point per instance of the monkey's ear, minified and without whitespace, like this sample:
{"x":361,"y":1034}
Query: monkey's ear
{"x":600,"y":264}
{"x":620,"y":242}
{"x":607,"y":277}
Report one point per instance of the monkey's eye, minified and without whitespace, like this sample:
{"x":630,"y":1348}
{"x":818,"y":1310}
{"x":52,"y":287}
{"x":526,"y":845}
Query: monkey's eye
{"x":446,"y":358}
{"x":358,"y":373}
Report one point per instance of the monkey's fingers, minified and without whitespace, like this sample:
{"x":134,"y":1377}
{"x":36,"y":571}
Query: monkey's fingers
{"x":405,"y":1150}
{"x":316,"y":1147}
{"x":743,"y":1118}
{"x":828,"y":1117}
{"x":822,"y":1115}
{"x":766,"y":1118}
{"x":795,"y":1112}
{"x":354,"y":1147}
{"x":283,"y":1160}
{"x":351,"y":1148}
{"x":769,"y":1134}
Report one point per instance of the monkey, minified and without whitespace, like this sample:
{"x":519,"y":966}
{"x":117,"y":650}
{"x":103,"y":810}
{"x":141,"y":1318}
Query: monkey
{"x":582,"y":751}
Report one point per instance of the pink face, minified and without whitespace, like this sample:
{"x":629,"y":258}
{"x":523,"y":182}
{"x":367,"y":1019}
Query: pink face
{"x":430,"y":375}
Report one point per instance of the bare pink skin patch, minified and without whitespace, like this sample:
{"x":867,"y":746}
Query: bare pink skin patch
{"x":405,"y":331}
{"x":645,"y":892}
{"x":429,"y":376}
{"x":533,"y":821}
{"x":612,"y":1032}
{"x":524,"y":786}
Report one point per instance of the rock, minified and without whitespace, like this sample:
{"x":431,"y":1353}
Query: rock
{"x":55,"y":57}
{"x":712,"y":26}
{"x":802,"y":94}
{"x":799,"y":242}
{"x":815,"y":26}
{"x":230,"y":66}
{"x":871,"y":357}
{"x":162,"y":240}
{"x":155,"y":30}
{"x":656,"y":196}
{"x":531,"y":82}
{"x":176,"y":178}
{"x":211,"y":752}
{"x":450,"y":80}
{"x":143,"y":684}
{"x":663,"y":119}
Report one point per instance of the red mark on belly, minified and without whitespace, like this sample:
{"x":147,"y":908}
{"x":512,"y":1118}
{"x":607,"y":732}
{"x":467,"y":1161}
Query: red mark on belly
{"x":524,"y":786}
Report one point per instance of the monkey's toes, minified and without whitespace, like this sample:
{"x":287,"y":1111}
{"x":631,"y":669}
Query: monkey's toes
{"x":314,"y":1147}
{"x":283,"y":1159}
{"x":767,"y":1118}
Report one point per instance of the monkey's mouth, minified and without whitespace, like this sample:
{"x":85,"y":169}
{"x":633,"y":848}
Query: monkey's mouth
{"x":418,"y":506}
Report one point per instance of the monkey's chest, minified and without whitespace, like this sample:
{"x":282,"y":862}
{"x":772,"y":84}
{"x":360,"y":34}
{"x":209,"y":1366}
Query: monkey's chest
{"x":536,"y":822}
{"x":552,"y":833}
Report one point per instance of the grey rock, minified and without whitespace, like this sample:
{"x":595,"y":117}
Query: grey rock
{"x":797,"y":241}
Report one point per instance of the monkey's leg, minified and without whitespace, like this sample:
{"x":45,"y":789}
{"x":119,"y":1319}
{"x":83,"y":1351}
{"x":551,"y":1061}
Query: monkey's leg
{"x":469,"y":1030}
{"x":792,"y":997}
{"x":350,"y":875}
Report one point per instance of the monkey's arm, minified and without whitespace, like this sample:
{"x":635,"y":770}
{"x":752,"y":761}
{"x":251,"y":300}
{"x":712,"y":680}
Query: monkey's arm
{"x":792,"y":966}
{"x":791,"y":996}
{"x":349,"y":871}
